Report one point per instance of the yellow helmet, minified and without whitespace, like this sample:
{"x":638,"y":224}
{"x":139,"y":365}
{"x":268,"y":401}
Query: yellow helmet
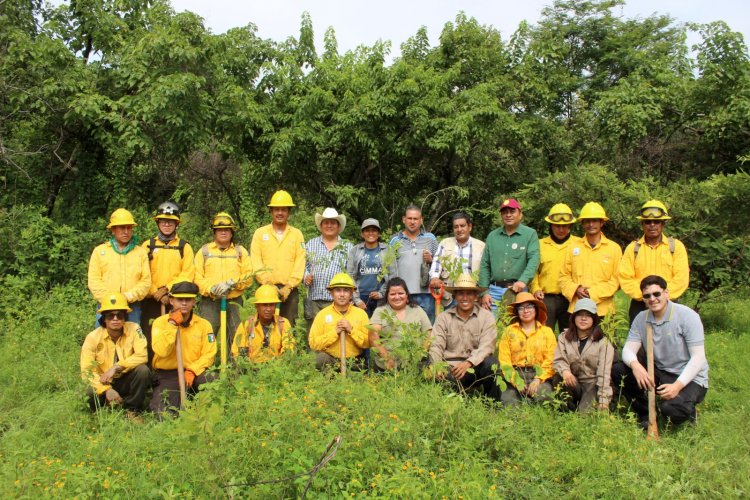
{"x":267,"y":294}
{"x":560,"y":214}
{"x":168,"y":210}
{"x":121,"y":217}
{"x":654,"y":210}
{"x":593,"y":210}
{"x":341,"y":280}
{"x":281,"y":199}
{"x":223,"y":220}
{"x":114,"y":301}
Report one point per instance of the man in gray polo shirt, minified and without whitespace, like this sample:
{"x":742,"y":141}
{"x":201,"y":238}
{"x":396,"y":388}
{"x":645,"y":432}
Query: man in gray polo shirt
{"x":680,"y":366}
{"x":415,"y":249}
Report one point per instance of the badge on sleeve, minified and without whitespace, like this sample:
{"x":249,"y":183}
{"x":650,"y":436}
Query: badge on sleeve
{"x":139,"y":333}
{"x":211,"y":338}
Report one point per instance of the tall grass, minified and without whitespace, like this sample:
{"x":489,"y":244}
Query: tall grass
{"x":401,"y":437}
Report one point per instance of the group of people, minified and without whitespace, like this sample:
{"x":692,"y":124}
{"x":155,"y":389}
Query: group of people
{"x":360,"y":297}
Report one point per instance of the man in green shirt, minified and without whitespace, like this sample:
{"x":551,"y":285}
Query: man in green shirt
{"x":510,"y":258}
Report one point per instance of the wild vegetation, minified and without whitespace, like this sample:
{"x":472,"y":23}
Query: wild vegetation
{"x":109,"y":103}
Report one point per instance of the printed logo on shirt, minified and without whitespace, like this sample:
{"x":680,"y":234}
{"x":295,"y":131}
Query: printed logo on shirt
{"x":514,"y":246}
{"x":329,"y":318}
{"x":265,"y":237}
{"x":576,"y":251}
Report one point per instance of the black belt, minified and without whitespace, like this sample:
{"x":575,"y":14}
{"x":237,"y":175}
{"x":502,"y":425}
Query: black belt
{"x":503,"y":284}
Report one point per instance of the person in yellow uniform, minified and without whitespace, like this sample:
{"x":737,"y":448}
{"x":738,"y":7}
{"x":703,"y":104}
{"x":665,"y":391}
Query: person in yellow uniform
{"x":113,"y":358}
{"x":265,"y":335}
{"x":591,"y":263}
{"x":654,"y":253}
{"x":341,"y":316}
{"x":278,"y":254}
{"x":198,"y":344}
{"x":169,"y":257}
{"x":120,"y":265}
{"x":526,"y":351}
{"x":222,"y":270}
{"x":546,"y":284}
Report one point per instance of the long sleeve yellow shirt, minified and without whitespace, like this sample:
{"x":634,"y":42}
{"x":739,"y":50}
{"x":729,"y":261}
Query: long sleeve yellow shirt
{"x":521,"y":350}
{"x":592,"y":268}
{"x":324,"y":337}
{"x":166,"y":263}
{"x":99,"y":353}
{"x":280,"y":340}
{"x":127,"y":273}
{"x":221,"y":265}
{"x":552,"y":257}
{"x":658,"y":260}
{"x":279,"y":261}
{"x":198,"y":344}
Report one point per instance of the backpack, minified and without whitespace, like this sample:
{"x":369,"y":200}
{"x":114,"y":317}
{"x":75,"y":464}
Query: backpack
{"x":207,"y":255}
{"x":152,"y":246}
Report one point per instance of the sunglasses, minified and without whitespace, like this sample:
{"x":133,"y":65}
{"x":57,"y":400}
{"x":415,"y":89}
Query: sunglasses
{"x":652,"y":213}
{"x":652,"y":222}
{"x":655,"y":295}
{"x":561,"y":218}
{"x":114,"y":315}
{"x":526,"y":307}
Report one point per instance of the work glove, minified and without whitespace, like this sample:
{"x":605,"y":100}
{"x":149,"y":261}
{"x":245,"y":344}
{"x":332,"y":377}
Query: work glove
{"x":160,"y":293}
{"x":284,"y":292}
{"x":189,"y":378}
{"x":176,"y":317}
{"x":222,"y":289}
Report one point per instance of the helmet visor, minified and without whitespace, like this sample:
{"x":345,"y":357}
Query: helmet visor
{"x":561,"y":218}
{"x":652,"y":213}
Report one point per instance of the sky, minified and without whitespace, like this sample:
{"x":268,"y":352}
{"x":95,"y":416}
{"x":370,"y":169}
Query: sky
{"x":358,"y":22}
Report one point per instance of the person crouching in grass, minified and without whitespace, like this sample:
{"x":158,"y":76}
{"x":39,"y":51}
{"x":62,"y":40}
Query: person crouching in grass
{"x":583,"y":358}
{"x":340,"y":317}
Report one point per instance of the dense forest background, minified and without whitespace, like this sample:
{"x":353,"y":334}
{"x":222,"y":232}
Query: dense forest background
{"x":109,"y":103}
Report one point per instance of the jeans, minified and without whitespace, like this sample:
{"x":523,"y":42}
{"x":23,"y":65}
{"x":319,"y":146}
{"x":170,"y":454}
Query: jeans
{"x":426,"y":302}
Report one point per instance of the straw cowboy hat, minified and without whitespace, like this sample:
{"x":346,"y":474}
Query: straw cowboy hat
{"x":331,"y":213}
{"x":522,"y":298}
{"x":465,"y":282}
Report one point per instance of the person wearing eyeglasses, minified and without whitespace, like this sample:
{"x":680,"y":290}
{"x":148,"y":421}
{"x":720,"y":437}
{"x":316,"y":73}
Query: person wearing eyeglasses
{"x":526,"y":351}
{"x":591,"y":263}
{"x":546,"y":286}
{"x":680,"y":365}
{"x":113,"y":358}
{"x":653,"y":253}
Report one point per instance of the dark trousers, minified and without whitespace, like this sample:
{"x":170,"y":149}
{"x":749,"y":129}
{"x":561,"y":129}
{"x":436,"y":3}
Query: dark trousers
{"x":370,"y":304}
{"x":166,"y":395}
{"x":356,"y":364}
{"x":636,"y":306}
{"x":483,"y":376}
{"x":677,"y":410}
{"x":557,"y":311}
{"x":131,"y":386}
{"x":210,"y":310}
{"x":150,"y":310}
{"x":289,"y":308}
{"x":512,"y":396}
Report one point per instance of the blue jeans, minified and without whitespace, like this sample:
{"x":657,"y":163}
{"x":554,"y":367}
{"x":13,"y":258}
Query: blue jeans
{"x":133,"y":316}
{"x":426,"y":302}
